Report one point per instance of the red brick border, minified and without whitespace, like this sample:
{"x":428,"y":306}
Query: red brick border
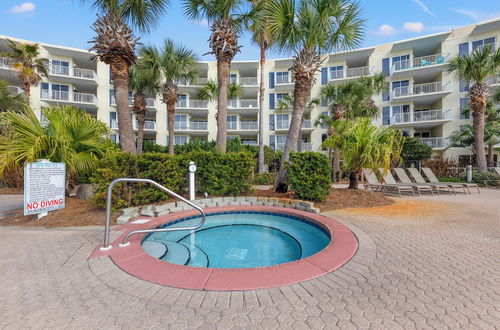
{"x":133,"y":260}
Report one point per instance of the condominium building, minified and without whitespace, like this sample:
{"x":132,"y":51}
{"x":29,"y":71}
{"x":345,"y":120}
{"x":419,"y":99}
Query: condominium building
{"x":424,"y":100}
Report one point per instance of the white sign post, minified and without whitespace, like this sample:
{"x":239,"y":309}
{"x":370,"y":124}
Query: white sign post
{"x":44,"y":187}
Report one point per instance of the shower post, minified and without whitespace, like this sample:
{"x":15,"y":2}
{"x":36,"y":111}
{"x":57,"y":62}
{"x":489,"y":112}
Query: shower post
{"x":192,"y":170}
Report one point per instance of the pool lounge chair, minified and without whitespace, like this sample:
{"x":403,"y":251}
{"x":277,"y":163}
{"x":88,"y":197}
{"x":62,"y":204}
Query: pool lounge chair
{"x":432,"y":178}
{"x":404,"y":178}
{"x":373,"y":183}
{"x":415,"y":173}
{"x":389,"y":179}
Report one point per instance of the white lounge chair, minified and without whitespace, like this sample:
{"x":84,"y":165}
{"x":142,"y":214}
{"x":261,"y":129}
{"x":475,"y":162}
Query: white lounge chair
{"x":405,"y":179}
{"x":432,"y":178}
{"x":389,"y":179}
{"x":415,"y":173}
{"x":373,"y":183}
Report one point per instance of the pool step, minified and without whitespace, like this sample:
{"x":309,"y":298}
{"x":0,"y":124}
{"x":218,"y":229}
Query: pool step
{"x":176,"y":253}
{"x":198,"y":258}
{"x":154,"y":248}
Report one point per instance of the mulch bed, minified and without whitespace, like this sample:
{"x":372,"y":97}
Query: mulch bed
{"x":76,"y":213}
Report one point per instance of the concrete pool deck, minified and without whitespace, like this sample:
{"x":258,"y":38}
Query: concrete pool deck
{"x":429,"y":262}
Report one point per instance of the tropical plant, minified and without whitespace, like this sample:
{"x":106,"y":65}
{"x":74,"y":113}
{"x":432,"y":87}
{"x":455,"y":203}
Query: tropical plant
{"x":69,"y":135}
{"x":8,"y":100}
{"x":464,"y":137}
{"x":413,"y":150}
{"x":364,"y":145}
{"x":226,"y":18}
{"x":258,"y":25}
{"x":115,"y":45}
{"x":175,"y":62}
{"x":28,"y":65}
{"x":309,"y":28}
{"x":210,"y":90}
{"x":475,"y":69}
{"x":309,"y":175}
{"x":142,"y":81}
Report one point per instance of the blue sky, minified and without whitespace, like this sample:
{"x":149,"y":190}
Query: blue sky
{"x":67,"y":22}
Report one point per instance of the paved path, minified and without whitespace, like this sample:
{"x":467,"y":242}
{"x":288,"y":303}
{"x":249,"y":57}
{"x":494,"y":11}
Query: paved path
{"x":10,"y":203}
{"x":421,"y":264}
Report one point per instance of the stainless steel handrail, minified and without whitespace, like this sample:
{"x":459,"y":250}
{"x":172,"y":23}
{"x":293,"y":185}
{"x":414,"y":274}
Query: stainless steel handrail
{"x":125,"y":242}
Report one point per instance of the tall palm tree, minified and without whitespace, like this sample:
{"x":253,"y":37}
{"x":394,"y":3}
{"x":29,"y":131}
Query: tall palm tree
{"x":350,"y":100}
{"x":261,"y":35}
{"x":175,"y":62}
{"x":475,"y":69}
{"x":364,"y":145}
{"x":210,"y":91}
{"x":308,"y":28}
{"x":226,"y":17}
{"x":28,"y":65}
{"x":115,"y":44}
{"x":142,"y":82}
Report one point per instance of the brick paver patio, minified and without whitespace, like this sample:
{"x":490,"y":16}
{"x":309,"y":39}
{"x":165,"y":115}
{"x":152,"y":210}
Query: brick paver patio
{"x":422,"y":263}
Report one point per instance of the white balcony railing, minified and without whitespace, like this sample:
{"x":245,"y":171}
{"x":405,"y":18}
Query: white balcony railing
{"x":282,"y":125}
{"x":422,"y":89}
{"x":5,"y":63}
{"x":306,"y":123}
{"x":249,"y":125}
{"x":306,"y":146}
{"x":232,"y":125}
{"x":55,"y":95}
{"x":149,"y":125}
{"x":336,"y":74}
{"x":358,"y":72}
{"x":199,"y":104}
{"x":60,"y":70}
{"x":420,"y":116}
{"x":434,"y":142}
{"x":15,"y":90}
{"x":199,"y":125}
{"x":420,"y":62}
{"x":198,"y":82}
{"x":84,"y":98}
{"x":76,"y":97}
{"x":249,"y":103}
{"x":130,"y":101}
{"x":248,"y":81}
{"x":84,"y":73}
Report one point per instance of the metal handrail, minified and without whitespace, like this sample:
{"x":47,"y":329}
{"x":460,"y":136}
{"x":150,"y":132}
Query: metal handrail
{"x":144,"y":231}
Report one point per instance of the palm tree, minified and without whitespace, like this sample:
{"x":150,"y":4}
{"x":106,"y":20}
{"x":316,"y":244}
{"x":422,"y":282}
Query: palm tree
{"x":364,"y":145}
{"x":175,"y":62}
{"x":351,"y":100}
{"x":115,"y":44}
{"x":8,"y":100}
{"x":261,"y":35}
{"x":142,"y":81}
{"x":475,"y":69}
{"x":225,"y":17}
{"x":210,"y":91}
{"x":308,"y":28}
{"x":27,"y":63}
{"x":70,"y":135}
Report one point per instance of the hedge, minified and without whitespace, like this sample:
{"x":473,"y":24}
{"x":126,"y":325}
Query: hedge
{"x":309,"y":175}
{"x":217,"y":175}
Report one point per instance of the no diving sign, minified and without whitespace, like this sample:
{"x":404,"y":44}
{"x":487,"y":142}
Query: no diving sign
{"x":44,"y":187}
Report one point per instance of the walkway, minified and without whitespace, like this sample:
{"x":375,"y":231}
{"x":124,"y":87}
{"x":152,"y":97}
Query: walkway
{"x":422,"y":263}
{"x":10,"y":203}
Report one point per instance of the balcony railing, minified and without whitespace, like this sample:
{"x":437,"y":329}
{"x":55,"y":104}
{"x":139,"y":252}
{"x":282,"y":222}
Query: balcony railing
{"x":5,"y":63}
{"x":422,"y":89}
{"x":433,"y":142}
{"x":282,"y":125}
{"x":60,"y":70}
{"x":198,"y":82}
{"x":307,"y":123}
{"x":84,"y":98}
{"x":249,"y":125}
{"x":420,"y":62}
{"x":358,"y":72}
{"x":15,"y":90}
{"x":192,"y":104}
{"x":232,"y":125}
{"x":420,"y":116}
{"x":306,"y":146}
{"x":192,"y":126}
{"x":55,"y":95}
{"x":149,"y":125}
{"x":84,"y":73}
{"x":248,"y":81}
{"x":130,"y":101}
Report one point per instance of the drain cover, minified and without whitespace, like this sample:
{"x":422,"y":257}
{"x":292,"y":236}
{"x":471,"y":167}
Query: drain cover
{"x":238,"y":254}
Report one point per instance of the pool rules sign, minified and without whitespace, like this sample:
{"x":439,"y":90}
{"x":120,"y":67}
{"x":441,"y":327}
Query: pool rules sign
{"x":44,"y":187}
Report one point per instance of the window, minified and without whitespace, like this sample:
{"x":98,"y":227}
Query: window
{"x":182,"y":101}
{"x":112,"y":120}
{"x":180,"y":139}
{"x":180,"y":122}
{"x":282,"y":121}
{"x":233,"y":78}
{"x":386,"y":115}
{"x":479,"y":44}
{"x":59,"y":67}
{"x":336,"y":72}
{"x":280,"y":97}
{"x":386,"y":67}
{"x":282,"y":77}
{"x":325,"y":113}
{"x":232,"y":102}
{"x":114,"y":138}
{"x":280,"y":142}
{"x":463,"y":86}
{"x":112,"y":99}
{"x":406,"y":132}
{"x":464,"y":105}
{"x":232,"y":122}
{"x":422,"y":134}
{"x":463,"y":49}
{"x":401,"y":62}
{"x":401,"y":88}
{"x":54,"y":92}
{"x":324,"y":137}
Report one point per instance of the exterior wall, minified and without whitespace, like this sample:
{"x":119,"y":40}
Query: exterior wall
{"x":442,"y":43}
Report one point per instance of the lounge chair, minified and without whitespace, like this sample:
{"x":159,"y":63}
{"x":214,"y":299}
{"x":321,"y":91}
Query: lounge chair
{"x":404,"y":178}
{"x":420,"y":179}
{"x":497,"y":181}
{"x":389,"y":179}
{"x":373,"y":183}
{"x":432,"y":178}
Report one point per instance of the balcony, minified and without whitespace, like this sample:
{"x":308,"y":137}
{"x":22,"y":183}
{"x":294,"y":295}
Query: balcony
{"x":184,"y":83}
{"x":149,"y":125}
{"x":243,"y":104}
{"x":426,"y":118}
{"x":351,"y":73}
{"x":425,"y":93}
{"x":249,"y":125}
{"x":5,"y":63}
{"x":192,"y":126}
{"x":77,"y":75}
{"x":84,"y":98}
{"x":15,"y":90}
{"x":306,"y":124}
{"x":433,"y":142}
{"x":75,"y":97}
{"x":429,"y":65}
{"x":248,"y":81}
{"x":249,"y":142}
{"x":306,"y":146}
{"x":192,"y":103}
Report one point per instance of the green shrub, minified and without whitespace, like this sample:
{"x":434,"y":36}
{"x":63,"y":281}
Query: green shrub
{"x":309,"y":175}
{"x":266,"y":178}
{"x":479,"y":178}
{"x":217,"y":174}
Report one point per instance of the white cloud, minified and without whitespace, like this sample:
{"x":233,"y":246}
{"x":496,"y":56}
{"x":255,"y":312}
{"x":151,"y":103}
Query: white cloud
{"x":25,"y":7}
{"x":423,"y":6}
{"x":476,"y":15}
{"x":414,"y":26}
{"x":386,"y":30}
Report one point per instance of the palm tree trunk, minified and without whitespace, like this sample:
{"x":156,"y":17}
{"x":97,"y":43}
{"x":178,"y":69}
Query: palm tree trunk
{"x":261,"y":110}
{"x":126,"y":132}
{"x":27,"y":93}
{"x":171,"y":128}
{"x":141,"y":119}
{"x":223,"y":70}
{"x":490,"y":155}
{"x":300,"y":93}
{"x":478,"y":123}
{"x":353,"y":180}
{"x":336,"y":164}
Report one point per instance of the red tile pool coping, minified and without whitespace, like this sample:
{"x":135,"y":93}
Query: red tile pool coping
{"x":135,"y":261}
